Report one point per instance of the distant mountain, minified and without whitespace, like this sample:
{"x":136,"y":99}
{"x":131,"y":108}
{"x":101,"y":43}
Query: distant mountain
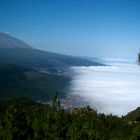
{"x":15,"y":51}
{"x":26,"y":71}
{"x":7,"y":41}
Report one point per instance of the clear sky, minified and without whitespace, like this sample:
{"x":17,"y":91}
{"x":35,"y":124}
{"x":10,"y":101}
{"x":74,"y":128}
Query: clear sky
{"x":104,"y":28}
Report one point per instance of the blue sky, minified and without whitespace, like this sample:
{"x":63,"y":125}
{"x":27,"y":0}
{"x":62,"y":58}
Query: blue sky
{"x":103,"y":28}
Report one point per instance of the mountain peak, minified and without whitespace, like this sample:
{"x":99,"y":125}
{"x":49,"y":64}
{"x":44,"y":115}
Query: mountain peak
{"x":8,"y":41}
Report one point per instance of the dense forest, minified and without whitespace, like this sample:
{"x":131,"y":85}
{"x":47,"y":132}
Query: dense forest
{"x":25,"y":119}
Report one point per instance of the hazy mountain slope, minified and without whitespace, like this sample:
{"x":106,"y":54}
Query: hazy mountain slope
{"x":14,"y":51}
{"x":7,"y":41}
{"x":39,"y":59}
{"x":16,"y":81}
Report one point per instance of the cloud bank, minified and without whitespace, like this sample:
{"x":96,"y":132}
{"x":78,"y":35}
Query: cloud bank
{"x":109,"y":89}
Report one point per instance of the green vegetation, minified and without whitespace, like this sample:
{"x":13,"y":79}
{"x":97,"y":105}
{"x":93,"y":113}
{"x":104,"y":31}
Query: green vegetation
{"x":25,"y":119}
{"x":134,"y":115}
{"x":139,"y":57}
{"x":16,"y":81}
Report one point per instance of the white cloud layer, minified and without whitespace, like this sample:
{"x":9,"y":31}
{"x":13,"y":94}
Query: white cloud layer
{"x":110,"y":89}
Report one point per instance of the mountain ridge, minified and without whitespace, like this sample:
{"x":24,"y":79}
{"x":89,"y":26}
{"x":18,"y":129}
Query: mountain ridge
{"x":16,"y":52}
{"x":8,"y":41}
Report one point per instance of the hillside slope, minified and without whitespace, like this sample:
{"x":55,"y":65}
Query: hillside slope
{"x":32,"y":58}
{"x":133,"y":115}
{"x":16,"y":81}
{"x":7,"y":41}
{"x":15,"y":51}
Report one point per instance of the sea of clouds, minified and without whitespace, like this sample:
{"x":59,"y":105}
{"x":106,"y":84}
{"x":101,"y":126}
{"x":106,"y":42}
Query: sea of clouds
{"x":114,"y":88}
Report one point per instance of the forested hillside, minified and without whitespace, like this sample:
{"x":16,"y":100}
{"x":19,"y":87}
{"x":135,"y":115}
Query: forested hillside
{"x":17,"y":81}
{"x":25,"y":119}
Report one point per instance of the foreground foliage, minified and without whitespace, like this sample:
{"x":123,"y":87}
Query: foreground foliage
{"x":25,"y":119}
